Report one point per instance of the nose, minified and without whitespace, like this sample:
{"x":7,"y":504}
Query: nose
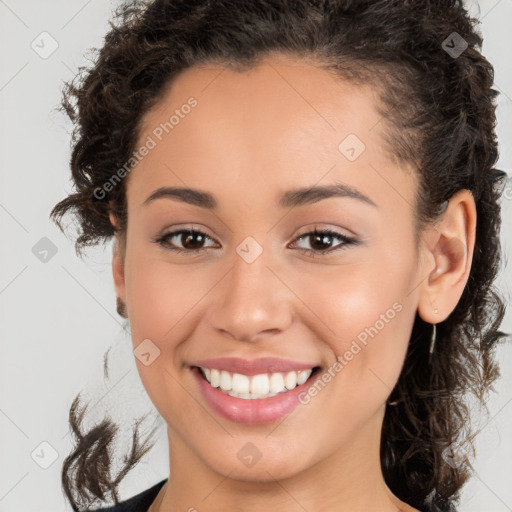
{"x":252,"y":302}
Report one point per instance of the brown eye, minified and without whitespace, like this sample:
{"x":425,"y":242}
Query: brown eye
{"x":321,"y":241}
{"x":191,"y":240}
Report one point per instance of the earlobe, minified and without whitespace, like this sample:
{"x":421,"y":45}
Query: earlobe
{"x":113,"y":218}
{"x":118,"y":276}
{"x":452,"y":241}
{"x":117,"y":267}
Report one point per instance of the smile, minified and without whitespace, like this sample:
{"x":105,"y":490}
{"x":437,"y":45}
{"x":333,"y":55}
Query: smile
{"x":264,"y":385}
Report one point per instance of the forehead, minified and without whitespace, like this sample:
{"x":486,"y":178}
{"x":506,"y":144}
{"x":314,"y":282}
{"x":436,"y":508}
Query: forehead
{"x":282,"y":123}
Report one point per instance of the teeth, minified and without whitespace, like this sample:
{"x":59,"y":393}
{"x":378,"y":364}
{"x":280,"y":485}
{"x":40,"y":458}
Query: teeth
{"x":241,"y":383}
{"x":302,"y":377}
{"x":214,"y":378}
{"x":258,"y":386}
{"x":225,"y":381}
{"x":290,"y":381}
{"x":276,"y":383}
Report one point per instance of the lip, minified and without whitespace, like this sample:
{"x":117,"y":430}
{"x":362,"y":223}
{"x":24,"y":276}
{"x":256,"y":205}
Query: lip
{"x":252,"y":411}
{"x":253,"y":366}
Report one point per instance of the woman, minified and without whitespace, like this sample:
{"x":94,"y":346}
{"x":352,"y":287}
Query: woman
{"x":306,"y":234}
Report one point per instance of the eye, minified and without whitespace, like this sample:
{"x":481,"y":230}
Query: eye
{"x":191,"y":240}
{"x":321,"y":241}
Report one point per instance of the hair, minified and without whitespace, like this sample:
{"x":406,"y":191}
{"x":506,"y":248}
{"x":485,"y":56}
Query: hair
{"x":439,"y":114}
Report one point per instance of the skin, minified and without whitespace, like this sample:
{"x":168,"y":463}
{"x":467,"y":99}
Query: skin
{"x":252,"y":136}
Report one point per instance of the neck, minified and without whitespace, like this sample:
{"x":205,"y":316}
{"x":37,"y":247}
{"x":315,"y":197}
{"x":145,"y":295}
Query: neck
{"x":347,"y":480}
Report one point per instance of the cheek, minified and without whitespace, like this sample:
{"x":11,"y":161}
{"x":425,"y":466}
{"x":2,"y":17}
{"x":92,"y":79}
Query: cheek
{"x":365,"y":313}
{"x":160,"y":296}
{"x":162,"y":309}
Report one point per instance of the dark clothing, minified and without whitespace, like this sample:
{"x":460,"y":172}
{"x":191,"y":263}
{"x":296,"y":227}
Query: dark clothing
{"x":141,"y":502}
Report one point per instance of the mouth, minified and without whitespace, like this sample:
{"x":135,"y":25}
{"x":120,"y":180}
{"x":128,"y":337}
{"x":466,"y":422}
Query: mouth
{"x":254,"y":387}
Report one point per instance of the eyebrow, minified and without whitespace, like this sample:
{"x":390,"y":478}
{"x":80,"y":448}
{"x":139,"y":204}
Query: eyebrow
{"x":290,"y":199}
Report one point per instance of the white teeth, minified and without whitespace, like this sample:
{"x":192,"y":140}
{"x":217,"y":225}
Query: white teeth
{"x":258,"y":386}
{"x":225,"y":381}
{"x":290,"y":381}
{"x":276,"y":383}
{"x":214,"y":378}
{"x":241,"y":383}
{"x":302,"y":377}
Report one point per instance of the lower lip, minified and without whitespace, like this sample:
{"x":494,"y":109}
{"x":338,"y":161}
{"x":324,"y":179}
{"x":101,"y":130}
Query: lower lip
{"x":258,"y":410}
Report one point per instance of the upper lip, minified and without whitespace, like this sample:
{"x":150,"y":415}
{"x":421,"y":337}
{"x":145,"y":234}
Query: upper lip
{"x":253,"y":366}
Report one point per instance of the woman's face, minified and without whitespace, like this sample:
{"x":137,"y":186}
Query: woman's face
{"x":258,"y":288}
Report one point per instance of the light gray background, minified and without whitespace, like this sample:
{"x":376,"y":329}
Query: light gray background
{"x":57,"y":318}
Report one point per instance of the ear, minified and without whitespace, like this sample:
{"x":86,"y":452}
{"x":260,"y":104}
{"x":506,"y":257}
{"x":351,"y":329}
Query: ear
{"x":449,"y":246}
{"x":118,"y":263}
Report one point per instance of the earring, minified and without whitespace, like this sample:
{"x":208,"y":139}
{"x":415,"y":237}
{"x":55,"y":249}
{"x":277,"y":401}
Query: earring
{"x":432,"y":341}
{"x":121,"y":308}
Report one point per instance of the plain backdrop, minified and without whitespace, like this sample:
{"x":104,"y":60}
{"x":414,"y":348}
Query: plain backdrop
{"x":57,"y":312}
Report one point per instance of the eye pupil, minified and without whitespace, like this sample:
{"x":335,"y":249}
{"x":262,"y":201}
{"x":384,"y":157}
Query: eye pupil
{"x":187,"y":236}
{"x":322,"y":239}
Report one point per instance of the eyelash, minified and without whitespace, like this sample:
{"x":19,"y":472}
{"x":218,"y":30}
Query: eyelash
{"x":162,"y":241}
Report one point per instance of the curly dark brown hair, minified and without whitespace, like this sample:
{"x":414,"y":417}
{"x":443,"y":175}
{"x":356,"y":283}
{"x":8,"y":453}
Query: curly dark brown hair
{"x":439,"y":113}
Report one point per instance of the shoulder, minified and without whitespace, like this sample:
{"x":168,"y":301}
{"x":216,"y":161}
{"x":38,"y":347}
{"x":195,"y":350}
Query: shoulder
{"x":139,"y":503}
